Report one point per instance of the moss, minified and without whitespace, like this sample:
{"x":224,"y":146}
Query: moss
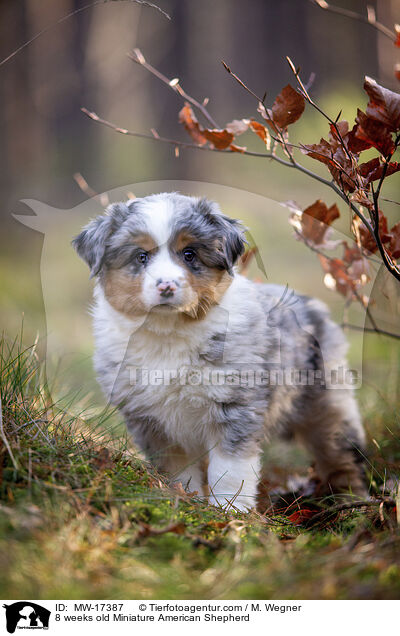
{"x":82,"y":516}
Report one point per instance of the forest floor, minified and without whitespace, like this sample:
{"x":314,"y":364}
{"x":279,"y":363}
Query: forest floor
{"x":83,"y":517}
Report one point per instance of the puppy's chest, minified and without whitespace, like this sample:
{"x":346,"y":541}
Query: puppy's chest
{"x":167,"y":379}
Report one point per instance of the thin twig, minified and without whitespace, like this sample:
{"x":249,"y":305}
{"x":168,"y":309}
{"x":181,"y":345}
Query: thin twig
{"x":139,"y":58}
{"x":322,"y":4}
{"x":377,"y":330}
{"x":242,"y":84}
{"x":319,"y":517}
{"x":70,"y":15}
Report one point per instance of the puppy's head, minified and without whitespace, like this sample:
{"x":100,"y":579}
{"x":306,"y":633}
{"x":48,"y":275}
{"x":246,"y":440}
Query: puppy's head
{"x":162,"y":253}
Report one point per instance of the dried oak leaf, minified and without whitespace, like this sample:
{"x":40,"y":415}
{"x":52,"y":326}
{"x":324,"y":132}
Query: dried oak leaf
{"x":357,"y":264}
{"x":373,"y":169}
{"x":383,"y":105}
{"x":189,"y":120}
{"x":287,"y":108}
{"x":368,"y":241}
{"x":372,"y":132}
{"x":261,"y":131}
{"x":312,"y":224}
{"x":300,"y":516}
{"x":219,"y":139}
{"x":316,"y":219}
{"x":394,"y":245}
{"x":146,"y":530}
{"x":337,"y":276}
{"x":333,"y":156}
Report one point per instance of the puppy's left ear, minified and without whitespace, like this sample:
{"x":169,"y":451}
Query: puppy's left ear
{"x":234,"y":241}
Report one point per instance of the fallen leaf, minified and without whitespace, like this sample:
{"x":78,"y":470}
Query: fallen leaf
{"x":146,"y":530}
{"x":302,"y":515}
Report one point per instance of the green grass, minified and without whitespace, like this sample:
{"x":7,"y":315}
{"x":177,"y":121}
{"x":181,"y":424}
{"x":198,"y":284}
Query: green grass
{"x":83,"y":516}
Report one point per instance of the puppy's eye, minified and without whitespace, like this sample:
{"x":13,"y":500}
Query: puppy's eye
{"x":142,"y":257}
{"x":189,"y":255}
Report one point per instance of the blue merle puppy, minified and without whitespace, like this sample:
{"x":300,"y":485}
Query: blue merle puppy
{"x":204,"y":363}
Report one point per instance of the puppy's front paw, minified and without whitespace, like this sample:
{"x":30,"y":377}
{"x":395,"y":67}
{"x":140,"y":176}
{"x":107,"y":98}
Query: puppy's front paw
{"x":243,"y":504}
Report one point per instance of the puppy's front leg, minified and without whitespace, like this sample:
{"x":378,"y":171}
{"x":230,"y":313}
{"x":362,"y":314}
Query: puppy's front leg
{"x":233,"y":478}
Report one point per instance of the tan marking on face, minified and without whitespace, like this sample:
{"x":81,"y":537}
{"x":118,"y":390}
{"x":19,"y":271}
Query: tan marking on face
{"x":185,"y":239}
{"x":182,"y":240}
{"x":123,"y":292}
{"x":209,"y":289}
{"x":145,"y":241}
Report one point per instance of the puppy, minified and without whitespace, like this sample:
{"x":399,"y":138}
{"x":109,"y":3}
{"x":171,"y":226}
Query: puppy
{"x":202,"y":362}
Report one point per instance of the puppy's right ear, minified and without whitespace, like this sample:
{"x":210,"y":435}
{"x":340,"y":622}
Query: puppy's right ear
{"x":91,"y":242}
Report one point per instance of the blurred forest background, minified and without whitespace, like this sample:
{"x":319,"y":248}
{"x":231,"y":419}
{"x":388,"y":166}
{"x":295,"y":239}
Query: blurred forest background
{"x":82,"y":61}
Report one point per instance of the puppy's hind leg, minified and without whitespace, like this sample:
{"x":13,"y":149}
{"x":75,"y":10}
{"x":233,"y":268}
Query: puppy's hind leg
{"x":333,"y":432}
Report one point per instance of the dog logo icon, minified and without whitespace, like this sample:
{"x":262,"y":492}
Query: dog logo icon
{"x":26,"y":615}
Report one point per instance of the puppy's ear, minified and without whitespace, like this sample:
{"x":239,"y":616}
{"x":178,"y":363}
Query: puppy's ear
{"x":234,"y":241}
{"x":92,"y":241}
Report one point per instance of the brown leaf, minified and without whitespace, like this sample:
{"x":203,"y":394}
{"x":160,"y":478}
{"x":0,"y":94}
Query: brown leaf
{"x":383,"y":105}
{"x":341,"y":130}
{"x":394,"y":245}
{"x":146,"y":530}
{"x":374,"y":133}
{"x":261,"y":131}
{"x":336,"y":276}
{"x":373,"y":169}
{"x":357,"y":264}
{"x":321,"y":152}
{"x":368,"y":241}
{"x":333,"y":156}
{"x":221,"y":139}
{"x":288,"y":107}
{"x":188,"y":119}
{"x":315,"y":221}
{"x":360,"y":196}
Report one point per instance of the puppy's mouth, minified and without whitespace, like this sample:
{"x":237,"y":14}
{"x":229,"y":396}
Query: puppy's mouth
{"x":166,"y":307}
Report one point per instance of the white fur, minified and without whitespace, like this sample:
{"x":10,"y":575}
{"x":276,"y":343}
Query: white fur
{"x":233,"y":478}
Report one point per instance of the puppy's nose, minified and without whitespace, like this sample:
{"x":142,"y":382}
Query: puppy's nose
{"x":167,"y":288}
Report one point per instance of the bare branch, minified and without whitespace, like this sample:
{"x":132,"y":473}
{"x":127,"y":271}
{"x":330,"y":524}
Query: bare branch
{"x":377,"y":330}
{"x":242,"y":84}
{"x":70,"y":15}
{"x":174,"y":142}
{"x":370,"y":18}
{"x":139,"y":58}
